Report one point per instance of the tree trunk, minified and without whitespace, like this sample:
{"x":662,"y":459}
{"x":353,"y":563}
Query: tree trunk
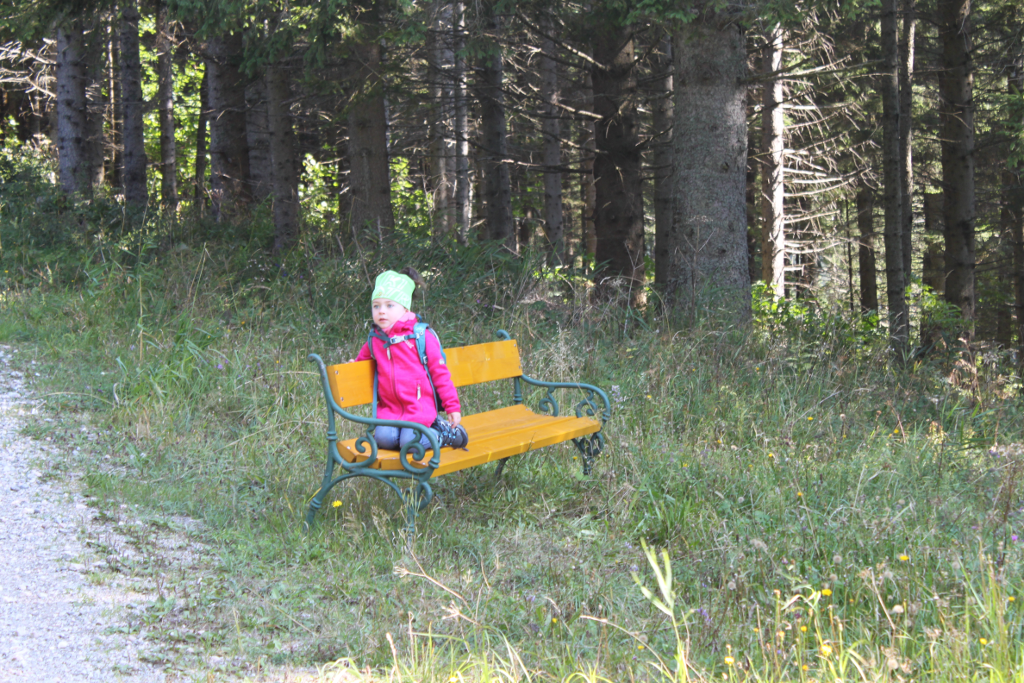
{"x":71,"y":104}
{"x":439,"y":161}
{"x":663,"y":164}
{"x":1013,"y":198}
{"x":933,"y":272}
{"x":906,"y":136}
{"x":96,"y":106}
{"x":201,"y":147}
{"x":257,"y":133}
{"x":282,"y":152}
{"x":136,"y":193}
{"x":618,"y":177}
{"x":710,"y":141}
{"x":773,"y":249}
{"x":337,"y":140}
{"x":494,"y":145}
{"x":956,"y":111}
{"x":165,"y":104}
{"x":115,"y":110}
{"x":463,"y":184}
{"x":230,"y":189}
{"x":866,"y":252}
{"x":588,"y":187}
{"x":369,"y":177}
{"x":551,"y":133}
{"x":896,"y":293}
{"x":753,"y":199}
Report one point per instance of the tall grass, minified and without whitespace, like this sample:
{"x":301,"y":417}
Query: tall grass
{"x":824,"y":514}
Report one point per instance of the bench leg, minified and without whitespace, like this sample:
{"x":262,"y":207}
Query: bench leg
{"x":500,"y":468}
{"x":589,"y":447}
{"x":415,"y":498}
{"x":318,"y":499}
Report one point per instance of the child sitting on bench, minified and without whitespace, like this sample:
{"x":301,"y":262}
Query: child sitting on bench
{"x":412,"y":380}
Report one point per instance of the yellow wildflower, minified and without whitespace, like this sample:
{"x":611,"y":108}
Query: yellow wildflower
{"x":826,"y":650}
{"x":730,"y":661}
{"x":904,"y":558}
{"x":336,"y":504}
{"x":826,"y":592}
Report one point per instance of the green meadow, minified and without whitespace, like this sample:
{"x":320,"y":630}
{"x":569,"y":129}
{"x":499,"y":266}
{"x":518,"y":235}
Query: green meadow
{"x":779,"y":499}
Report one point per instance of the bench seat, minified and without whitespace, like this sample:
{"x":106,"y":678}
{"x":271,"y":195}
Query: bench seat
{"x":494,"y":435}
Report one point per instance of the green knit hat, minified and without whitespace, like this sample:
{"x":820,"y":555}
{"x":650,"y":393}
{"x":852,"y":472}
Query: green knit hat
{"x":394,"y":286}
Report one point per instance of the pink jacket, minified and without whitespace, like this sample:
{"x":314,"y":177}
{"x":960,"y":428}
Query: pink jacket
{"x":403,"y":389}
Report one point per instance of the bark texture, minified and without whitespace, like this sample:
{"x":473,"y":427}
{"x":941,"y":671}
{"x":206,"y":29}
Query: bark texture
{"x":1013,"y":203}
{"x":369,"y":176}
{"x":588,"y":188}
{"x":257,"y":133}
{"x":463,"y":185}
{"x":906,"y":135}
{"x":201,"y":142}
{"x":230,"y":190}
{"x":710,"y":142}
{"x":96,"y":107}
{"x":773,"y":244}
{"x":440,"y":161}
{"x":136,"y":193}
{"x":888,"y":84}
{"x":866,"y":251}
{"x":493,"y":153}
{"x":956,"y":95}
{"x":619,"y":214}
{"x":282,"y":149}
{"x":165,"y":106}
{"x":933,"y":272}
{"x":551,"y":133}
{"x":663,"y":164}
{"x":71,"y":104}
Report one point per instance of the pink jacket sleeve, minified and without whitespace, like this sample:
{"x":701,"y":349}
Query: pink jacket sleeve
{"x":441,"y":377}
{"x":364,"y":353}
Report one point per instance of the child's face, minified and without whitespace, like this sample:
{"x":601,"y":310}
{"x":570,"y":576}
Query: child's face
{"x":386,"y":312}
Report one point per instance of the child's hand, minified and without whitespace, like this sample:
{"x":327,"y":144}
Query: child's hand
{"x":455,"y":419}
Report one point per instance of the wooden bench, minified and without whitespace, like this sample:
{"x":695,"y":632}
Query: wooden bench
{"x":493,"y":436}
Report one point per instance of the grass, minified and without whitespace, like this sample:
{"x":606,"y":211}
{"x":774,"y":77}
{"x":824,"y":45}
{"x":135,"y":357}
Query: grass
{"x":776,"y":502}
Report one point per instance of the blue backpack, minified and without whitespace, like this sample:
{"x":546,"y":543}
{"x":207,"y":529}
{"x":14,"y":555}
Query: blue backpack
{"x":419,"y":335}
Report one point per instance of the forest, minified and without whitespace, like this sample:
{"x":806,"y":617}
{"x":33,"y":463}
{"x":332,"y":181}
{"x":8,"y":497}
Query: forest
{"x":785,"y":236}
{"x":819,"y":150}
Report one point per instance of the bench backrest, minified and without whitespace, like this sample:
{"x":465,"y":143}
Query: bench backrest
{"x":352,"y":383}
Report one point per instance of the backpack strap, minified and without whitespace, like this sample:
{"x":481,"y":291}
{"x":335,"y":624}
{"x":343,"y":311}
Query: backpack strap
{"x":419,"y":332}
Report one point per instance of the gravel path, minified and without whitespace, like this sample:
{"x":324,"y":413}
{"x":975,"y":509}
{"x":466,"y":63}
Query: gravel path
{"x":52,"y":620}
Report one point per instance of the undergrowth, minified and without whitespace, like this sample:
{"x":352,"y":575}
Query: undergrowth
{"x":778,"y":501}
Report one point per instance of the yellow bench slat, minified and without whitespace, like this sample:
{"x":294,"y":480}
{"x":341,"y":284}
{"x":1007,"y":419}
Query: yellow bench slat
{"x":492,"y":436}
{"x":352,"y":383}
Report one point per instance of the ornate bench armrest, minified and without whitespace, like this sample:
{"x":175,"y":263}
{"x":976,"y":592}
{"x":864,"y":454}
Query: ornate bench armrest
{"x":371,"y":422}
{"x":549,"y":404}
